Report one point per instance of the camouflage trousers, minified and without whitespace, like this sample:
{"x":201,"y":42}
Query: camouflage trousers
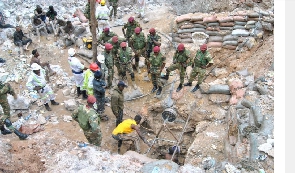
{"x":181,"y":69}
{"x":93,"y":137}
{"x":128,"y":68}
{"x":156,"y":77}
{"x":197,"y":71}
{"x":138,"y":54}
{"x":110,"y":75}
{"x":100,"y":101}
{"x":114,"y":9}
{"x":127,"y":137}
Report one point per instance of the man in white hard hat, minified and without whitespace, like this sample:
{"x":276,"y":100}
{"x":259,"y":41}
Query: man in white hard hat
{"x":37,"y":82}
{"x":77,"y":70}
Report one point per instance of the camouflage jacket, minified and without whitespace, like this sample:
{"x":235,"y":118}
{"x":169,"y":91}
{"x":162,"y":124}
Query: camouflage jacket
{"x":138,"y":41}
{"x":113,"y":2}
{"x":116,"y":46}
{"x":202,"y":59}
{"x":87,"y":11}
{"x":156,"y":61}
{"x":87,"y":118}
{"x":104,"y":38}
{"x":130,"y":28}
{"x":4,"y":90}
{"x":109,"y":60}
{"x":181,"y":57}
{"x":125,"y":56}
{"x":117,"y":100}
{"x":150,"y":43}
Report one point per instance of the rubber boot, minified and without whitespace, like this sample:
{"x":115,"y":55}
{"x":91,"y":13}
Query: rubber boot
{"x":84,"y":95}
{"x":179,"y":87}
{"x":78,"y":92}
{"x":154,"y":89}
{"x":47,"y":107}
{"x":196,"y":88}
{"x":159,"y":91}
{"x":5,"y":131}
{"x":20,"y":135}
{"x":53,"y":102}
{"x":188,"y":84}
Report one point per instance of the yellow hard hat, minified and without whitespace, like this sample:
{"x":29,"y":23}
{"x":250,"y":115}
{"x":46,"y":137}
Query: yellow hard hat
{"x":102,"y":2}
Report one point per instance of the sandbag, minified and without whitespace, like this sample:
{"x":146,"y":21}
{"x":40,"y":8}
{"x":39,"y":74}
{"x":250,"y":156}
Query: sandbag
{"x":214,"y":44}
{"x":79,"y":31}
{"x":251,"y":22}
{"x":226,"y":28}
{"x":191,"y":30}
{"x":85,"y":53}
{"x":210,"y":19}
{"x":187,"y":26}
{"x":238,"y":27}
{"x":241,"y":13}
{"x":225,"y":19}
{"x":212,"y":24}
{"x":196,"y":18}
{"x":231,"y":43}
{"x":219,"y":89}
{"x":176,"y":39}
{"x":224,"y":32}
{"x":212,"y":33}
{"x":212,"y":29}
{"x":230,"y":24}
{"x":267,"y":26}
{"x":230,"y":38}
{"x":199,"y":22}
{"x":240,"y":18}
{"x":249,"y":26}
{"x":240,"y":23}
{"x":254,"y":19}
{"x":215,"y":39}
{"x":185,"y":35}
{"x":240,"y":32}
{"x":254,"y":15}
{"x":182,"y":18}
{"x":258,"y":25}
{"x":268,"y":19}
{"x":229,"y":47}
{"x":199,"y":26}
{"x":187,"y":40}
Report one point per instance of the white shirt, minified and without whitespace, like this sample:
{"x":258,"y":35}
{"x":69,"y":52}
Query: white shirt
{"x":102,"y":12}
{"x":35,"y":80}
{"x":75,"y":64}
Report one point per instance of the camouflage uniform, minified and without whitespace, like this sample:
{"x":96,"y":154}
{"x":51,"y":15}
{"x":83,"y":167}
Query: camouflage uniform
{"x":99,"y":94}
{"x":156,"y":63}
{"x":201,"y":59}
{"x":89,"y":121}
{"x":104,"y":38}
{"x":4,"y":90}
{"x":125,"y":58}
{"x":151,"y":44}
{"x":138,"y":43}
{"x":115,"y":50}
{"x":87,"y":11}
{"x":180,"y":62}
{"x":130,"y":29}
{"x":117,"y":104}
{"x":114,"y":4}
{"x":109,"y":62}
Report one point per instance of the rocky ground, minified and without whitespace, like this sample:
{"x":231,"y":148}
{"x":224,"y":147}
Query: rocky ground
{"x":230,"y":119}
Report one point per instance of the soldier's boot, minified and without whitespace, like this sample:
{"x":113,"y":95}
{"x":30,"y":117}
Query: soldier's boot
{"x":159,"y":91}
{"x":179,"y":87}
{"x":196,"y":88}
{"x":78,"y":92}
{"x":18,"y":133}
{"x":188,"y":84}
{"x":47,"y":107}
{"x":154,"y":89}
{"x":84,"y":95}
{"x":53,"y":102}
{"x":5,"y":131}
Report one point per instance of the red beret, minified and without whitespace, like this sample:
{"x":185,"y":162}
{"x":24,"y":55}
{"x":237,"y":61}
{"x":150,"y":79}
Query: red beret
{"x":203,"y":47}
{"x":91,"y":99}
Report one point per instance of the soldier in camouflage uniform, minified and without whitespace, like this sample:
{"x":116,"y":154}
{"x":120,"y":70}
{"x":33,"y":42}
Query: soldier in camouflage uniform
{"x":105,"y":36}
{"x":87,"y":11}
{"x":181,"y":60}
{"x":138,"y":44}
{"x":89,"y":121}
{"x":5,"y":119}
{"x":115,"y":41}
{"x":130,"y":26}
{"x":202,"y":61}
{"x":109,"y":61}
{"x":114,"y":4}
{"x":153,"y":40}
{"x":156,"y":64}
{"x":117,"y":102}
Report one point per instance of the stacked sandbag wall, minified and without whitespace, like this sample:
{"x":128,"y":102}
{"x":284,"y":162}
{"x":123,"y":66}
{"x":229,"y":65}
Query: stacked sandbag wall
{"x":226,"y":31}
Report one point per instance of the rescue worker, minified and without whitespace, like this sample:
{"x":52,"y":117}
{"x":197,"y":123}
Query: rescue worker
{"x":106,"y":36}
{"x":117,"y":102}
{"x":129,"y":26}
{"x":89,"y":121}
{"x":125,"y":59}
{"x":116,"y":41}
{"x":19,"y":39}
{"x":114,"y":5}
{"x":201,"y":61}
{"x":102,"y":14}
{"x":156,"y":64}
{"x":99,"y":93}
{"x":77,"y":70}
{"x":123,"y":132}
{"x":37,"y":82}
{"x":109,"y":62}
{"x":153,"y":40}
{"x":138,"y":44}
{"x":102,"y":66}
{"x":88,"y":78}
{"x":5,"y":118}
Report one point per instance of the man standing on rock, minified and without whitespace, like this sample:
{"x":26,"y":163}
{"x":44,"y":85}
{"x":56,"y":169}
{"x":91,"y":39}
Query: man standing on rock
{"x":202,"y":61}
{"x":106,"y":36}
{"x":37,"y":82}
{"x":77,"y":70}
{"x":123,"y":133}
{"x":117,"y":102}
{"x":138,"y":44}
{"x":116,"y":41}
{"x":5,"y":119}
{"x":89,"y":121}
{"x":180,"y":61}
{"x":114,"y":4}
{"x":109,"y":61}
{"x":130,"y":26}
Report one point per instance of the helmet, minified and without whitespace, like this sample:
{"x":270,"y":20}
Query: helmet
{"x":115,"y":39}
{"x":102,"y":2}
{"x":156,"y":49}
{"x":71,"y":51}
{"x":100,"y":58}
{"x":180,"y":47}
{"x":131,"y":19}
{"x":108,"y":46}
{"x":97,"y":74}
{"x":106,"y":30}
{"x":137,"y":30}
{"x":203,"y":47}
{"x":35,"y":66}
{"x":152,"y":30}
{"x":123,"y":44}
{"x":94,"y":67}
{"x":91,"y":99}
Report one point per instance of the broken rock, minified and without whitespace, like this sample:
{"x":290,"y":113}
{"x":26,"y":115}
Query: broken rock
{"x":70,"y":105}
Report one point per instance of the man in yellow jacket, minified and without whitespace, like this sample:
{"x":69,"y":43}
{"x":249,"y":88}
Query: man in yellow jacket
{"x":88,"y":79}
{"x":123,"y":132}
